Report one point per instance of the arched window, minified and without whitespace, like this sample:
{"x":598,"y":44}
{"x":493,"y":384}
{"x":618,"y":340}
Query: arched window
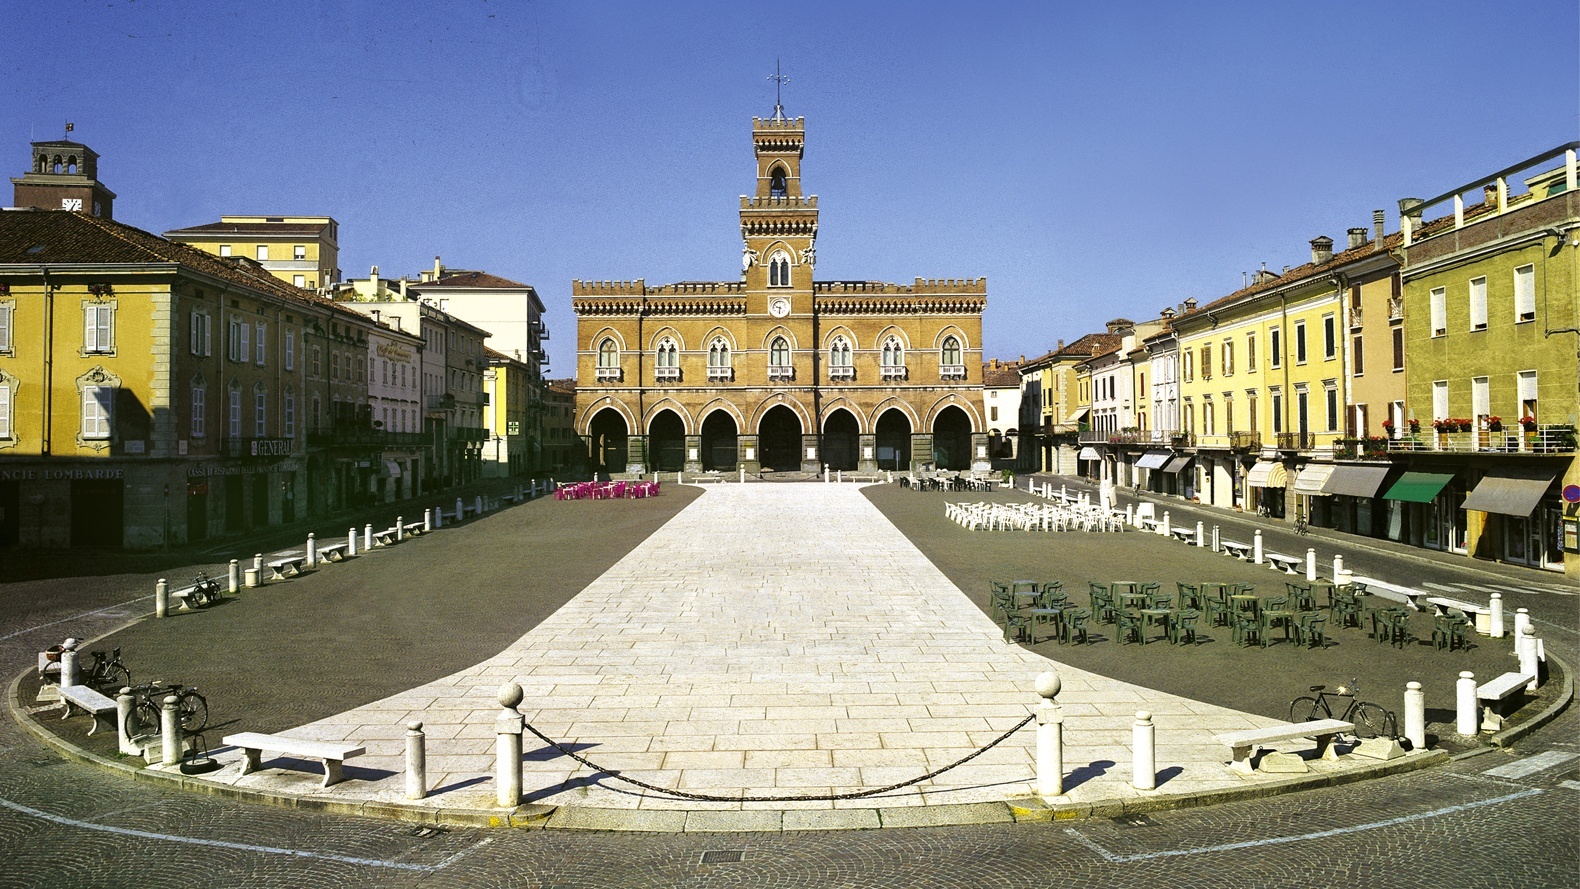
{"x":951,"y":353}
{"x":779,"y":352}
{"x":718,"y":359}
{"x":779,"y":270}
{"x":666,"y":360}
{"x":55,"y":167}
{"x":71,"y":164}
{"x":839,"y":360}
{"x":608,"y":354}
{"x":893,"y":358}
{"x":777,"y":186}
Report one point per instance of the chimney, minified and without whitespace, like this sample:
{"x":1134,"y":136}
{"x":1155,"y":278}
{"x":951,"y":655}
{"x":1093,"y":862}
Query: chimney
{"x":1189,"y":304}
{"x":1357,"y":237}
{"x":1489,"y":195}
{"x":1060,"y":346}
{"x":373,"y":280}
{"x":1321,"y":249}
{"x":1408,"y":207}
{"x":402,"y":286}
{"x":438,"y":269}
{"x":1378,"y":225}
{"x":1167,"y":314}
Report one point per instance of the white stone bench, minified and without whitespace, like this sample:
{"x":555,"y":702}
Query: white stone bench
{"x":1188,"y":535}
{"x":1150,"y":525}
{"x":288,"y":566}
{"x":334,"y":552}
{"x":1501,"y":693}
{"x":1481,"y":613}
{"x":387,"y":537}
{"x":1408,"y":595}
{"x":332,"y":754}
{"x":89,"y":701}
{"x":1243,"y":744}
{"x":705,"y":479}
{"x":1241,"y":551}
{"x":412,"y":529}
{"x":1285,"y":563}
{"x":184,"y":595}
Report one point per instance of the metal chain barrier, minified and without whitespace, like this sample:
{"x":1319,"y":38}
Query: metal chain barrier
{"x":798,"y":798}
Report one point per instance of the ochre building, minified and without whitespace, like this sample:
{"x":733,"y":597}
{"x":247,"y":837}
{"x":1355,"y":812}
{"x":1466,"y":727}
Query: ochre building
{"x":778,"y":371}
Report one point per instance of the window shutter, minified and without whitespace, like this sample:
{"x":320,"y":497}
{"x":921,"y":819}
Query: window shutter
{"x":5,"y":411}
{"x":5,"y":328}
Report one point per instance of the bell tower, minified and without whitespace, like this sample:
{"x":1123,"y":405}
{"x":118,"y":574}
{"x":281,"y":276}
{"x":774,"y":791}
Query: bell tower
{"x":63,"y":175}
{"x":778,"y":221}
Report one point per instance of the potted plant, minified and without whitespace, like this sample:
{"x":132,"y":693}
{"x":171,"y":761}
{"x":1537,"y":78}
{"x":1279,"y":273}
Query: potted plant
{"x":1528,"y":423}
{"x":1494,"y":423}
{"x":1415,"y":426}
{"x":1388,"y":427}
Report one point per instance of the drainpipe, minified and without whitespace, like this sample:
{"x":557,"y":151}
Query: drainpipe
{"x":46,"y":429}
{"x":1341,"y":332}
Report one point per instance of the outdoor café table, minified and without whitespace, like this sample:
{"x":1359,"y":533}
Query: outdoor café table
{"x":1132,"y":599}
{"x":1024,"y":591}
{"x":1270,"y":618}
{"x":1040,"y":615}
{"x":1122,"y":586}
{"x":1152,"y":617}
{"x":1242,"y":603}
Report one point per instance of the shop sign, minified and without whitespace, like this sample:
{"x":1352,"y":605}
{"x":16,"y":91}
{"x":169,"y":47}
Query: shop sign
{"x":1571,"y":532}
{"x":393,"y":352}
{"x":49,"y":475}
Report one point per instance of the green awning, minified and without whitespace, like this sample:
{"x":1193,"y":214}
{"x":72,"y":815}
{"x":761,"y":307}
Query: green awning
{"x":1418,"y":487}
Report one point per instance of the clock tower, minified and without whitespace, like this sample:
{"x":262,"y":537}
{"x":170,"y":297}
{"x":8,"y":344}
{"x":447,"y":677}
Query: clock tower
{"x":63,"y":175}
{"x":778,"y":222}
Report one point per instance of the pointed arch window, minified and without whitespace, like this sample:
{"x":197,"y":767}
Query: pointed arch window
{"x":779,"y":269}
{"x":839,"y":360}
{"x":719,"y":367}
{"x":779,"y":367}
{"x":778,"y":183}
{"x":893,"y":359}
{"x":666,"y":360}
{"x":608,"y":360}
{"x":951,"y":363}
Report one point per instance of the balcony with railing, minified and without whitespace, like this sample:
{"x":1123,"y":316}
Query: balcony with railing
{"x":1539,"y":440}
{"x":1368,"y":448}
{"x":717,"y":374}
{"x":952,"y":372}
{"x":1296,"y":441}
{"x":666,"y":374}
{"x":894,"y":371}
{"x":364,"y":437}
{"x":609,"y":375}
{"x":841,"y":372}
{"x":781,"y":372}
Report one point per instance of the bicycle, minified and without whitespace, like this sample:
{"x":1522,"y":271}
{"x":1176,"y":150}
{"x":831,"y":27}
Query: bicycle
{"x":1301,"y":528}
{"x":107,"y":671}
{"x":205,"y":590}
{"x":1370,"y":720}
{"x":148,"y":701}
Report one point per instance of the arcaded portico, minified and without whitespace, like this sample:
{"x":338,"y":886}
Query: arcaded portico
{"x":776,"y":370}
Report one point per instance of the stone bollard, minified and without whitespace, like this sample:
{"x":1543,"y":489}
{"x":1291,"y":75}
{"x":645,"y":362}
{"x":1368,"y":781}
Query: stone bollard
{"x":400,"y":528}
{"x":1256,"y":548}
{"x":427,"y":520}
{"x":1144,"y":739}
{"x":257,"y":563}
{"x":1415,"y":715}
{"x":743,"y":475}
{"x":1164,"y":528}
{"x":1050,"y":737}
{"x":367,"y":537}
{"x":351,"y":542}
{"x":1338,"y":566}
{"x":479,"y":504}
{"x":438,"y":518}
{"x":1311,"y":563}
{"x":416,"y":761}
{"x":1495,"y":616}
{"x":312,"y":551}
{"x":507,"y":751}
{"x":1201,"y":535}
{"x":680,"y":478}
{"x":839,"y":476}
{"x":235,"y":577}
{"x":161,"y":598}
{"x":1467,"y":719}
{"x":1217,"y":545}
{"x":1522,"y":619}
{"x":460,"y":510}
{"x":170,"y":730}
{"x":250,"y":578}
{"x":123,"y":716}
{"x":1130,"y":515}
{"x":825,"y":473}
{"x":1345,"y":577}
{"x":1528,"y":652}
{"x":68,"y":664}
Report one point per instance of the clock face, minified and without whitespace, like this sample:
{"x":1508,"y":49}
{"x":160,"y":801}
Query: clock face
{"x":779,"y":307}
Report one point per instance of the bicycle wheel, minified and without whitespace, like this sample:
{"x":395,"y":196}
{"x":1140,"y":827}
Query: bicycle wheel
{"x":194,"y":711}
{"x":115,"y":678}
{"x":144,"y":720}
{"x":1371,"y":721}
{"x":1303,"y":709}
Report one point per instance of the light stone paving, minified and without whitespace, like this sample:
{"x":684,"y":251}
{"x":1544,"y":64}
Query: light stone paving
{"x":772,"y":639}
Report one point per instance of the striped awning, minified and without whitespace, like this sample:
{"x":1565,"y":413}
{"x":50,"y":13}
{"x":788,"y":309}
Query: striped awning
{"x":1510,"y":492}
{"x":1312,"y":478}
{"x":1267,"y":474}
{"x":1153,"y":460}
{"x":1089,"y":454}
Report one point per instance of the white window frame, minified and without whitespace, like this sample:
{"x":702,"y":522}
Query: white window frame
{"x":840,"y":365}
{"x":1525,"y":390}
{"x":779,"y":269}
{"x":290,"y":350}
{"x":1301,"y":353}
{"x":1330,"y":399}
{"x":288,"y":413}
{"x":1524,"y":294}
{"x":261,"y":342}
{"x":1439,"y":298}
{"x":98,"y":412}
{"x":952,"y":367}
{"x":98,"y":328}
{"x":202,"y":340}
{"x":1439,"y":400}
{"x":299,"y":252}
{"x":1275,"y":347}
{"x":5,"y":411}
{"x":780,"y":364}
{"x":233,"y":395}
{"x":260,"y":411}
{"x":1478,"y":303}
{"x":263,"y":253}
{"x":299,"y":281}
{"x":198,"y":415}
{"x":6,"y":315}
{"x":224,"y":250}
{"x":1330,"y":337}
{"x":1250,"y":353}
{"x":1480,"y":398}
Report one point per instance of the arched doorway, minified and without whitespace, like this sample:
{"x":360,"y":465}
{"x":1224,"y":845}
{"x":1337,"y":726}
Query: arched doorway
{"x":894,"y":440}
{"x":952,"y":439}
{"x":779,"y":437}
{"x":666,"y":442}
{"x":718,"y":441}
{"x":840,"y":434}
{"x":606,"y":442}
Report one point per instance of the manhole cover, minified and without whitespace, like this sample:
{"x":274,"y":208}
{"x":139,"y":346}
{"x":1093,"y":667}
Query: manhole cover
{"x":1133,"y":821}
{"x":722,"y":856}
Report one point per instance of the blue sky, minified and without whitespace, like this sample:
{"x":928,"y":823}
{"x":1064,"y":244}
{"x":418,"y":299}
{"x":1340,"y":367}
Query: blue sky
{"x":1090,"y":159}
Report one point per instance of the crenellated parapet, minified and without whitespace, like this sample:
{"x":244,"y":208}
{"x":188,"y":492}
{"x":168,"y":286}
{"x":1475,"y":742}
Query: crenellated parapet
{"x":779,"y":202}
{"x":608,"y":288}
{"x":900,"y":304}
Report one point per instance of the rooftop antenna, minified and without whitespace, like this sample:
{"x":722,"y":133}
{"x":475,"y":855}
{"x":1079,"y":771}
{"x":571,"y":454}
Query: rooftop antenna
{"x":779,"y":81}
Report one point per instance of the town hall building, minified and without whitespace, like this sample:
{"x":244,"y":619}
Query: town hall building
{"x":778,"y":371}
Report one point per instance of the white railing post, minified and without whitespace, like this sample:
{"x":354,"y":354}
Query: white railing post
{"x":1050,"y":737}
{"x":161,"y":598}
{"x":1415,"y":715}
{"x":1495,"y":607}
{"x":1143,"y":736}
{"x":1466,"y":718}
{"x":1311,"y":563}
{"x":507,"y":749}
{"x":416,"y":761}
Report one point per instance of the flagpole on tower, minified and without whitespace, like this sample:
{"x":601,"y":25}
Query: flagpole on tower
{"x":779,"y":80}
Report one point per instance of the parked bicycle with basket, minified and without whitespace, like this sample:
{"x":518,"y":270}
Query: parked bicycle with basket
{"x":1370,"y":720}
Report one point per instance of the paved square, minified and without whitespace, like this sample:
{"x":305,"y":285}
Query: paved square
{"x":774,"y":639}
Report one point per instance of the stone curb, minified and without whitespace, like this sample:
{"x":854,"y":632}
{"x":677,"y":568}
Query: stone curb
{"x":536,"y":816}
{"x":1510,"y":735}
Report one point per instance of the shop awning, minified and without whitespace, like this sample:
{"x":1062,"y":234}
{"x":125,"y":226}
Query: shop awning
{"x":1177,"y":464}
{"x":1089,"y":454}
{"x":1312,"y":477}
{"x":1355,"y":481}
{"x":1153,"y":460}
{"x":1418,"y":487}
{"x":1266,"y":474}
{"x":1076,"y":415}
{"x":392,"y":469}
{"x":1510,"y":492}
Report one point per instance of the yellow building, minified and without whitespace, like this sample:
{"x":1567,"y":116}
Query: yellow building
{"x":776,"y":370}
{"x":303,"y":251}
{"x":1054,"y":404}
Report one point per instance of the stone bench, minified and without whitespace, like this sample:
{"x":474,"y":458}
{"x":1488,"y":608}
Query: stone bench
{"x":1480,"y":613}
{"x":1282,"y":562}
{"x":1188,"y":535}
{"x":1409,"y":596}
{"x":288,"y":566}
{"x":89,"y":701}
{"x":1243,"y":744}
{"x":189,"y":600}
{"x":1501,"y":694}
{"x":1241,"y":551}
{"x":333,"y":755}
{"x":334,"y":552}
{"x":387,"y":537}
{"x":412,"y":529}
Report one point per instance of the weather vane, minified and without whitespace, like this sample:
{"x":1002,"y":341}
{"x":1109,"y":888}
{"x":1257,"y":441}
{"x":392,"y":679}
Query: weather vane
{"x":779,"y":81}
